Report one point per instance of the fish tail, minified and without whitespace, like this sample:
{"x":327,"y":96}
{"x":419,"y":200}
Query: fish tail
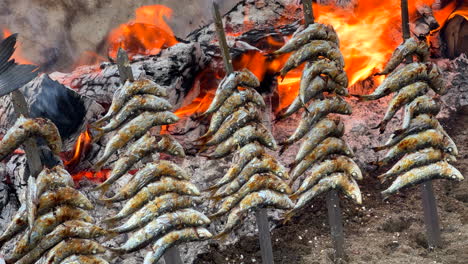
{"x":383,"y":178}
{"x":294,"y":196}
{"x":287,"y":216}
{"x":284,"y":147}
{"x":293,"y":165}
{"x":215,"y":198}
{"x":98,"y":133}
{"x":103,"y":186}
{"x":110,"y":235}
{"x":273,"y":54}
{"x":211,"y":188}
{"x":379,"y":148}
{"x":205,"y":137}
{"x":221,"y":236}
{"x":197,"y":117}
{"x":398,"y":132}
{"x":202,"y":149}
{"x":363,"y":97}
{"x":216,"y":215}
{"x":117,"y":251}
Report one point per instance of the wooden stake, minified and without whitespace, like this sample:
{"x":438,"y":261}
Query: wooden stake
{"x":172,"y":256}
{"x":308,"y":12}
{"x":336,"y":225}
{"x":222,"y":39}
{"x":123,"y":65}
{"x":431,"y":218}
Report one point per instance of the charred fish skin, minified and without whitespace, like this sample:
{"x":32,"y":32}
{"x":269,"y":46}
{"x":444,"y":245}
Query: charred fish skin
{"x":314,"y":31}
{"x":160,"y":205}
{"x":327,"y":167}
{"x":128,"y":90}
{"x":441,"y":170}
{"x":327,"y":147}
{"x":82,"y":259}
{"x":28,"y":127}
{"x":235,"y":121}
{"x":416,"y":159}
{"x":63,"y":196}
{"x":70,"y":247}
{"x":139,"y":103}
{"x":134,"y":129}
{"x":311,"y":51}
{"x":411,"y":143}
{"x":18,"y":223}
{"x":327,"y":67}
{"x":173,"y":238}
{"x":322,"y":129}
{"x":159,"y":226}
{"x":49,"y":179}
{"x":170,"y":146}
{"x":150,"y":191}
{"x":151,"y":172}
{"x":409,"y":47}
{"x":402,"y":98}
{"x":421,"y":105}
{"x":317,"y":110}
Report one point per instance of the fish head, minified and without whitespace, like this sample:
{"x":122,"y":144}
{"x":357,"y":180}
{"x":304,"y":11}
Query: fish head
{"x":169,"y":118}
{"x":436,"y":79}
{"x":146,"y":84}
{"x":449,"y":158}
{"x":450,"y":147}
{"x":171,"y":146}
{"x":453,"y":173}
{"x":352,"y":191}
{"x":203,"y":220}
{"x":203,"y":233}
{"x":249,"y":79}
{"x":342,"y":79}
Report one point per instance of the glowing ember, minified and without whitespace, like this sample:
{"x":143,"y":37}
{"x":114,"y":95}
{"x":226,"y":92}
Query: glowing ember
{"x":147,"y":34}
{"x":19,"y":58}
{"x":81,"y":148}
{"x":99,"y":176}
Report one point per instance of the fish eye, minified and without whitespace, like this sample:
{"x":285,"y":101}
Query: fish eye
{"x":348,"y":152}
{"x":269,"y":144}
{"x":450,"y":149}
{"x":169,"y":119}
{"x":354,"y":174}
{"x":453,"y":176}
{"x":280,"y":174}
{"x":283,"y":190}
{"x":353,"y":196}
{"x":200,"y":221}
{"x":176,"y":152}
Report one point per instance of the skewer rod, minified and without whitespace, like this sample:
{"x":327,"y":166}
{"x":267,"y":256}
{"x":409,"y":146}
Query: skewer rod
{"x":222,"y":39}
{"x":308,"y":12}
{"x":172,"y":256}
{"x":336,"y":225}
{"x":431,"y":218}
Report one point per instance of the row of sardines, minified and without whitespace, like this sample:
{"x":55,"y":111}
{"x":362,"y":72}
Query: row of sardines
{"x":158,"y":202}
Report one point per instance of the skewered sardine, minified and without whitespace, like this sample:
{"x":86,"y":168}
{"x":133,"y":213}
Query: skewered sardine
{"x":151,"y":172}
{"x":253,"y":200}
{"x":403,"y":97}
{"x":25,"y":128}
{"x":439,"y":170}
{"x":248,"y":134}
{"x":416,"y":159}
{"x":82,"y":259}
{"x":255,"y":183}
{"x":406,"y":75}
{"x":335,"y":181}
{"x":173,"y":238}
{"x":236,"y":100}
{"x":70,"y":247}
{"x":158,"y":206}
{"x":245,"y":155}
{"x":70,"y":229}
{"x":411,"y":143}
{"x":327,"y":147}
{"x":139,"y":103}
{"x":312,"y":51}
{"x":422,"y":105}
{"x":63,"y":196}
{"x":317,"y":110}
{"x":327,"y":167}
{"x":152,"y":190}
{"x":134,"y":130}
{"x":17,"y":224}
{"x":324,"y":128}
{"x":159,"y":226}
{"x":409,"y":47}
{"x":314,"y":31}
{"x":50,"y":179}
{"x":128,"y":90}
{"x":319,"y":67}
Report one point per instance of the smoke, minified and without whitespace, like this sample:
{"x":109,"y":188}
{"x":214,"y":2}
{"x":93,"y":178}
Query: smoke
{"x":56,"y":33}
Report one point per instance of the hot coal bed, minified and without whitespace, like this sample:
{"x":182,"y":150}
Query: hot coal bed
{"x":190,"y":69}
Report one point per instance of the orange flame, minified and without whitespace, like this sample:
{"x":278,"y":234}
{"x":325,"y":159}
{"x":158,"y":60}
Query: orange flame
{"x":18,"y":55}
{"x":147,"y":34}
{"x":82,"y":146}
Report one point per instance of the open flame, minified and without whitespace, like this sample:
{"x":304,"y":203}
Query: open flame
{"x":147,"y":34}
{"x":81,"y":147}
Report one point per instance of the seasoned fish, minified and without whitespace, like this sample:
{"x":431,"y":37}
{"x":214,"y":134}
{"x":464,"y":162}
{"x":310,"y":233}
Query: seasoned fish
{"x":128,"y":90}
{"x":409,"y":47}
{"x":152,"y":190}
{"x":253,"y":200}
{"x":403,"y":97}
{"x":160,"y":205}
{"x":70,"y":247}
{"x":235,"y":121}
{"x":327,"y":167}
{"x":248,"y":134}
{"x":151,"y":172}
{"x":411,"y":143}
{"x":139,"y":103}
{"x":335,"y":181}
{"x":422,"y":105}
{"x":255,"y":183}
{"x":16,"y":225}
{"x":229,"y":85}
{"x":264,"y":164}
{"x":82,"y":259}
{"x":169,"y":145}
{"x":50,"y":179}
{"x":63,"y":196}
{"x":324,"y":128}
{"x":134,"y":130}
{"x":311,"y":51}
{"x":173,"y":238}
{"x":70,"y":229}
{"x":327,"y":147}
{"x":406,"y":75}
{"x":416,"y":159}
{"x":25,"y":128}
{"x":316,"y":111}
{"x":161,"y":225}
{"x":235,"y":101}
{"x":439,"y":170}
{"x":244,"y":156}
{"x":314,"y":31}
